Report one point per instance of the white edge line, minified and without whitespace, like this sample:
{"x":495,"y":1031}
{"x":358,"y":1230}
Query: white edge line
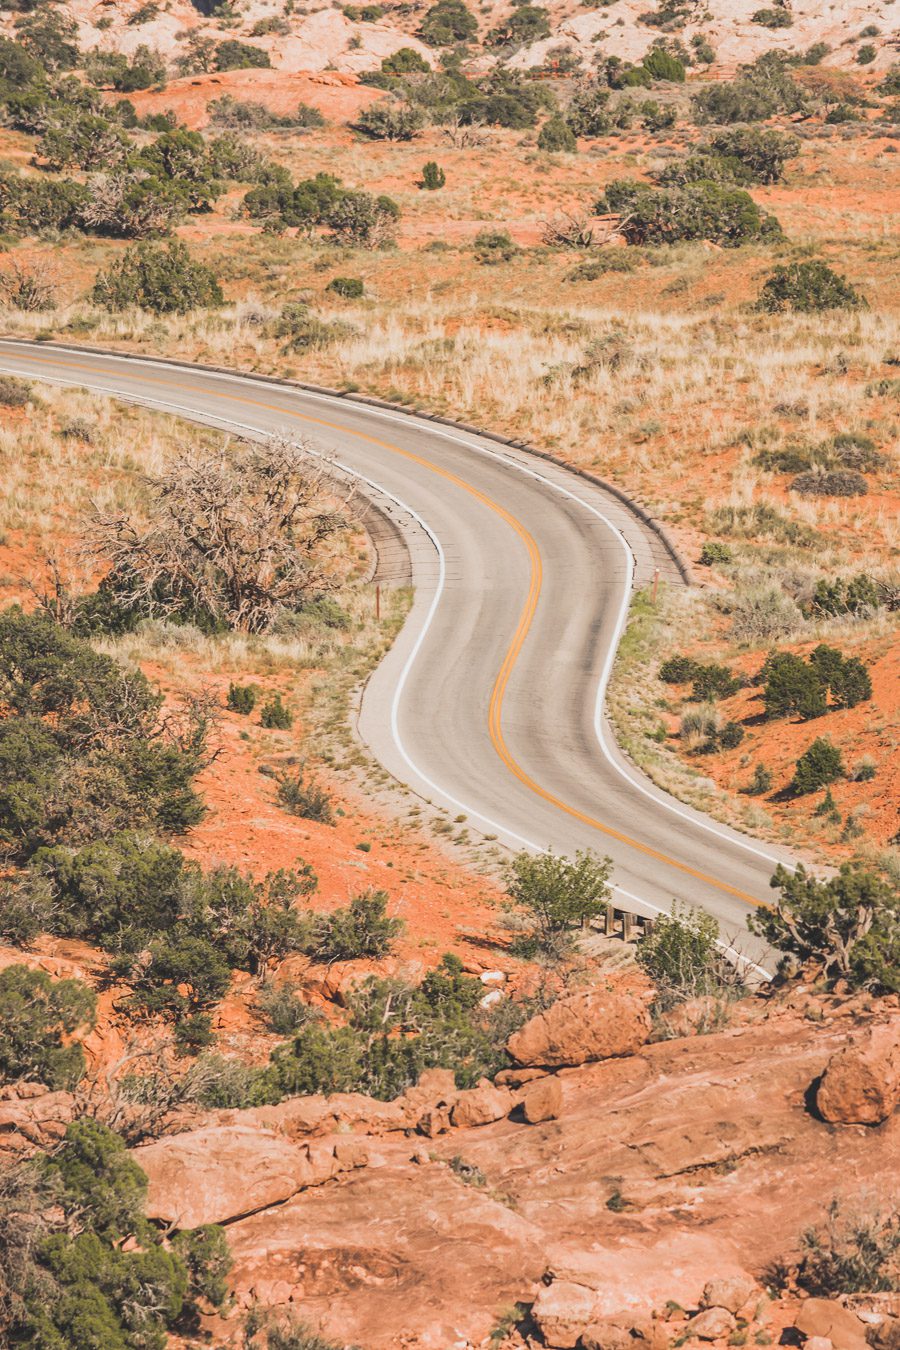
{"x":439,"y":590}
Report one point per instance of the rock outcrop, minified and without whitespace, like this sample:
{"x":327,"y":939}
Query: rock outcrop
{"x":31,"y":1116}
{"x":593,"y":1024}
{"x":861,"y":1085}
{"x":220,"y":1173}
{"x":831,"y":1320}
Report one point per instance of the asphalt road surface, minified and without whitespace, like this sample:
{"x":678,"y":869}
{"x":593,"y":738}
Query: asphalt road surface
{"x":490,"y":702}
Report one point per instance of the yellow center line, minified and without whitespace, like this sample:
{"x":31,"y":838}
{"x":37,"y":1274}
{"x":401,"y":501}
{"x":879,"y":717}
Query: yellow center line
{"x":526,"y":617}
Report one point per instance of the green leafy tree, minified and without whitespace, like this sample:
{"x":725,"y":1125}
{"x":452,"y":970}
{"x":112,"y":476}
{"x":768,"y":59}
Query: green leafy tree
{"x":661,"y":65}
{"x":720,"y":213}
{"x":161,"y":280}
{"x":558,"y":894}
{"x":527,"y":23}
{"x":762,"y":153}
{"x":359,"y":218}
{"x":846,"y":925}
{"x":405,"y":61}
{"x":390,"y":120}
{"x":38,"y":1018}
{"x":234,"y":55}
{"x":682,"y":955}
{"x":792,"y":686}
{"x":433,"y":176}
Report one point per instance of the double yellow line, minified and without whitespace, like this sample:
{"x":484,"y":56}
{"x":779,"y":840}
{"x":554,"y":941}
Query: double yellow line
{"x":495,"y":712}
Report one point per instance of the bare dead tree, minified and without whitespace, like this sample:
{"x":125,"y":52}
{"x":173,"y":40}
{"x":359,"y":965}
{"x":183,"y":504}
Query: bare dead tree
{"x":58,"y":590}
{"x":464,"y":135}
{"x":21,"y":287}
{"x":568,"y":229}
{"x":237,"y":536}
{"x":138,"y":1094}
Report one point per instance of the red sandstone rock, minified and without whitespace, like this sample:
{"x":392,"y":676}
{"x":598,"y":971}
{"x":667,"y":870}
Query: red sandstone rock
{"x":481,"y":1105}
{"x":590,"y":1025}
{"x":711,"y":1325}
{"x":563,"y":1310}
{"x":731,"y":1294}
{"x":542,"y":1100}
{"x":861,"y":1085}
{"x":827,"y":1318}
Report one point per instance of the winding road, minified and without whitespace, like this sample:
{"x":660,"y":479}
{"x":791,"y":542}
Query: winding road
{"x":490,"y":702}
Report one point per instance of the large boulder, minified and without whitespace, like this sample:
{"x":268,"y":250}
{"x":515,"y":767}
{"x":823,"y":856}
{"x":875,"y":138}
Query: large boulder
{"x":861,"y":1085}
{"x":598,"y":1023}
{"x":826,"y":1318}
{"x":542,"y":1100}
{"x":219,"y":1172}
{"x":31,"y":1116}
{"x":481,"y":1105}
{"x":562,"y":1311}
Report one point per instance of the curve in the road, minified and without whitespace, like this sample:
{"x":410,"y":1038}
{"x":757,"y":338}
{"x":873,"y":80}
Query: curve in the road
{"x":132,"y":377}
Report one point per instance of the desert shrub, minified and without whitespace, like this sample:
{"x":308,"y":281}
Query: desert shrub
{"x":661,"y":65}
{"x":864,"y":770}
{"x":14,"y":393}
{"x":717,"y":212}
{"x":38,"y":204}
{"x":657,"y":116}
{"x":762,"y":89}
{"x":820,"y":482}
{"x":348,"y":288}
{"x":773,"y":18}
{"x":616,"y":260}
{"x":390,"y":120}
{"x":51,"y":38}
{"x":433,"y":176}
{"x":19,"y":68}
{"x":807,"y":287}
{"x":818,"y":766}
{"x":27,"y":289}
{"x":235,"y":541}
{"x":731,"y":735}
{"x":678,"y":670}
{"x":83,"y":748}
{"x":712,"y":682}
{"x":840,"y":115}
{"x":555,"y":135}
{"x":362,"y":930}
{"x":448,"y":22}
{"x":699,"y":728}
{"x":866,"y":54}
{"x":358,"y":218}
{"x":760,"y":782}
{"x":82,"y":141}
{"x":761,"y":153}
{"x":161,"y":280}
{"x":494,"y":246}
{"x":281,"y":1009}
{"x":890,"y":85}
{"x":682,"y":956}
{"x":88,"y":1268}
{"x":274,"y":716}
{"x":305,"y":797}
{"x":527,"y":23}
{"x":761,"y":613}
{"x":714,"y":554}
{"x":143,"y":69}
{"x":304,"y":330}
{"x":405,"y":61}
{"x":396,"y":1031}
{"x":241,"y":698}
{"x":38,"y":1019}
{"x":588,"y":112}
{"x":128,"y":204}
{"x":858,"y":594}
{"x":557,"y":895}
{"x":234,"y":55}
{"x":851,"y":1252}
{"x":791,"y":685}
{"x":847,"y":925}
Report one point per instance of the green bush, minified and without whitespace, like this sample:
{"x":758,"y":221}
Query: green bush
{"x":82,"y":746}
{"x":390,"y":120}
{"x":405,"y":61}
{"x":858,"y":594}
{"x":494,"y":246}
{"x":557,"y":894}
{"x":358,"y":218}
{"x":144,"y":69}
{"x":773,"y":18}
{"x":866,"y":54}
{"x":713,"y":681}
{"x":234,"y":55}
{"x":678,"y":670}
{"x":761,"y":153}
{"x":433,"y":176}
{"x":657,"y":116}
{"x":348,"y":288}
{"x":362,"y":930}
{"x":763,"y":88}
{"x":681,"y":955}
{"x":242,"y":698}
{"x":38,"y":1019}
{"x":88,"y":1268}
{"x":760,"y":782}
{"x":661,"y":65}
{"x":820,"y":482}
{"x":731,"y":735}
{"x":850,"y":1253}
{"x":714,"y":554}
{"x":305,"y":798}
{"x":161,"y":280}
{"x":282,"y":1010}
{"x":448,"y":22}
{"x":818,"y":766}
{"x":274,"y":716}
{"x":526,"y":24}
{"x":719,"y":213}
{"x":556,"y":135}
{"x":807,"y":287}
{"x":847,"y":925}
{"x":792,"y":686}
{"x":51,"y":38}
